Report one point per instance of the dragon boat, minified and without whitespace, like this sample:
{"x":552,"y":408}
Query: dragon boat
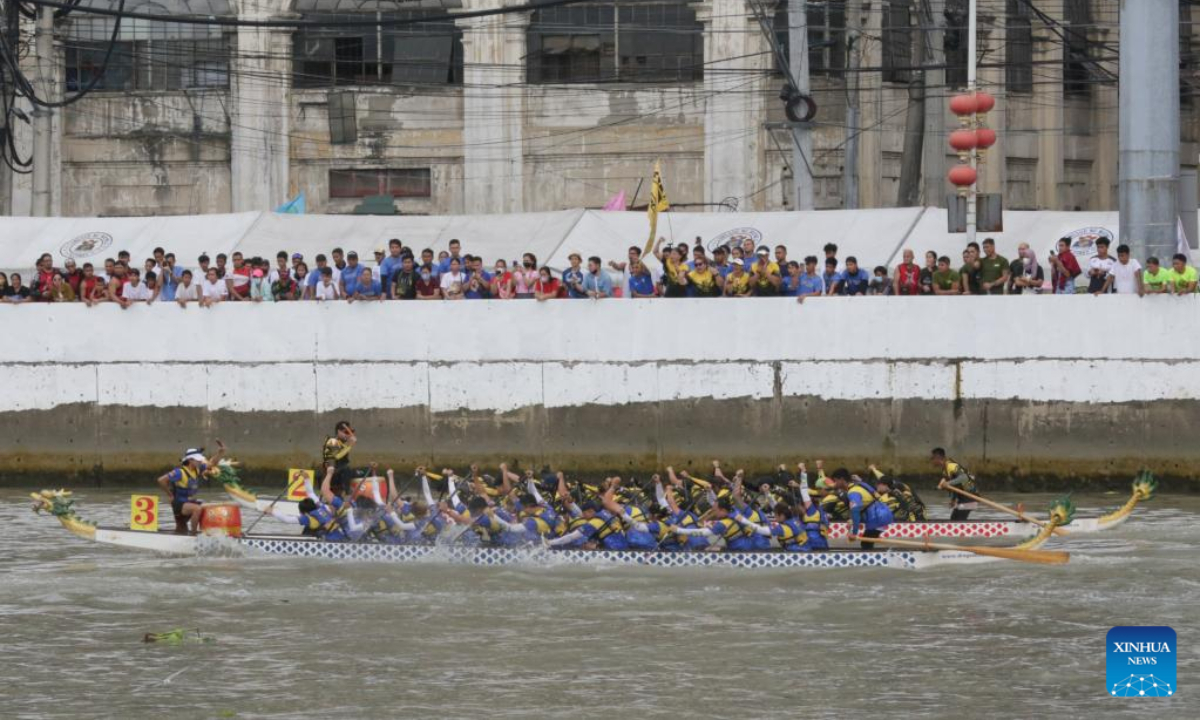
{"x":223,"y":537}
{"x":1144,"y":488}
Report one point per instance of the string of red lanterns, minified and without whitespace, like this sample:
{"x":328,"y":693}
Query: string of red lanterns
{"x":973,"y":137}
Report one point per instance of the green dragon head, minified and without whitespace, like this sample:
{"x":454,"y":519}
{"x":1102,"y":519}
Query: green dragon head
{"x":56,"y":502}
{"x":1145,"y":485}
{"x":226,"y":473}
{"x":1062,"y":511}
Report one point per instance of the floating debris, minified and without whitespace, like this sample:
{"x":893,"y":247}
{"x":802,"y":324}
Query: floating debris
{"x":178,"y":636}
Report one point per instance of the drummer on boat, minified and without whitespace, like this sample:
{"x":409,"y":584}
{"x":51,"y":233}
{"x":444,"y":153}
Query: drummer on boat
{"x":182,"y":485}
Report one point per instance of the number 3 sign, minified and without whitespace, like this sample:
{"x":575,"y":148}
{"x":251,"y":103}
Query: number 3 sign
{"x":143,"y":513}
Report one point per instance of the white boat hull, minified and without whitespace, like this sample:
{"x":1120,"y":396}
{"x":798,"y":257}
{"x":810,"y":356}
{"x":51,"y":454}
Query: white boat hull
{"x":290,"y":546}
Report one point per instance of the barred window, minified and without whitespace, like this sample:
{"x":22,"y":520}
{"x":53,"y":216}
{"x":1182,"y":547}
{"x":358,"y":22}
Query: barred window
{"x":897,"y":42}
{"x":148,"y":55}
{"x":826,"y":36}
{"x":398,"y":183}
{"x":647,"y":42}
{"x":1187,"y":55}
{"x":1076,"y":75}
{"x":1018,"y":66}
{"x":954,"y":43}
{"x":423,"y":53}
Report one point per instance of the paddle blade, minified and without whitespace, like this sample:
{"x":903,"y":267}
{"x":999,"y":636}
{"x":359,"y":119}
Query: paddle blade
{"x":1042,"y":557}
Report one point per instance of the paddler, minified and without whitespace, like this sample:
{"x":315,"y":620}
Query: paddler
{"x":956,"y":475}
{"x":868,"y":515}
{"x":316,"y":518}
{"x":590,"y":527}
{"x":723,"y":527}
{"x":902,"y":500}
{"x":182,"y":484}
{"x":786,"y":529}
{"x":676,"y":516}
{"x":640,"y":532}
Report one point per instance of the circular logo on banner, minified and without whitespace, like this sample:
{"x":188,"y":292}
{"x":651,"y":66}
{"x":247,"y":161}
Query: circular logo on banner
{"x":86,"y":245}
{"x":731,"y":238}
{"x":1083,"y":241}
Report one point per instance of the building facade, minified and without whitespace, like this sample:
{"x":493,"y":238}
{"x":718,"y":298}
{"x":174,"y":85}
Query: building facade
{"x":449,"y":108}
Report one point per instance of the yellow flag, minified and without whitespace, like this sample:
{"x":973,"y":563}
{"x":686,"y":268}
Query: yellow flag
{"x":658,"y":203}
{"x":143,"y":513}
{"x":296,"y":478}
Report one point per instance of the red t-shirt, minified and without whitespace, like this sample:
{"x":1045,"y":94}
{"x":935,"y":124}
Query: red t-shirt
{"x":548,"y":288}
{"x":910,"y":278}
{"x":87,"y":287}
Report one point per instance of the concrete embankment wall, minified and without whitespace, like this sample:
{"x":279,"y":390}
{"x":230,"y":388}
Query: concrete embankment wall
{"x":1022,"y":389}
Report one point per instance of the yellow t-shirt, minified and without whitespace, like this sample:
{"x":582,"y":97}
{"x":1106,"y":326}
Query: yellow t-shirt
{"x":737,"y":285}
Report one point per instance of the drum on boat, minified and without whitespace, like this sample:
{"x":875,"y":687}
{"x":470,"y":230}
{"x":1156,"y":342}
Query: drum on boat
{"x":221,"y":519}
{"x":365,"y":487}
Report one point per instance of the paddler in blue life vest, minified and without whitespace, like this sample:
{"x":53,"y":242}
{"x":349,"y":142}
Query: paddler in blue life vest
{"x":810,"y":514}
{"x":182,"y":484}
{"x":868,"y":515}
{"x":590,"y":527}
{"x":954,"y":474}
{"x":641,"y":532}
{"x":317,"y":519}
{"x":535,"y":520}
{"x":786,"y":528}
{"x":723,"y":527}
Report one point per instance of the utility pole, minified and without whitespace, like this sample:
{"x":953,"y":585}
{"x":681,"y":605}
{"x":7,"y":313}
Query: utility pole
{"x":43,"y":117}
{"x":1148,"y":140}
{"x":909,"y":192}
{"x":850,"y":144}
{"x":10,"y":25}
{"x":802,"y":153}
{"x":972,"y":53}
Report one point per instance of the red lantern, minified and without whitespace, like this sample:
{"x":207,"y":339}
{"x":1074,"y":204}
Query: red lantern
{"x":985,"y":137}
{"x":963,"y":140}
{"x":962,"y":175}
{"x":963,"y":105}
{"x":984,"y":102}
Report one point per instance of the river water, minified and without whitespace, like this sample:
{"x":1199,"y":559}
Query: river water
{"x":312,"y":639}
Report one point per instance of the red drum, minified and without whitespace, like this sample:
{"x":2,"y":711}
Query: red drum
{"x":221,"y":519}
{"x":365,"y":488}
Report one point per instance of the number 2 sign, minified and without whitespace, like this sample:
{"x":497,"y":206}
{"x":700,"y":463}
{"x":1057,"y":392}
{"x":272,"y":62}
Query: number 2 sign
{"x":143,"y":513}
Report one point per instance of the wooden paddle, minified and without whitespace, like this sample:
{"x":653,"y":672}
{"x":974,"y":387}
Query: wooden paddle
{"x":1044,"y":557}
{"x":1001,"y":508}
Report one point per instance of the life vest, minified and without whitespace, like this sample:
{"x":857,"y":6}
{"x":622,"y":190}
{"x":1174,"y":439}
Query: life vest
{"x":874,"y":515}
{"x":816,"y":525}
{"x":953,"y":471}
{"x":790,"y":534}
{"x":331,"y":451}
{"x":186,"y":487}
{"x":835,"y":506}
{"x":758,"y":542}
{"x":323,"y":523}
{"x":683,"y":519}
{"x":640,"y":539}
{"x":911,"y":508}
{"x":542,"y":523}
{"x":606,"y":531}
{"x":735,"y":538}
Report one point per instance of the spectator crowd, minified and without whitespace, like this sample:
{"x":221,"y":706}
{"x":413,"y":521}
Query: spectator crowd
{"x":402,"y":273}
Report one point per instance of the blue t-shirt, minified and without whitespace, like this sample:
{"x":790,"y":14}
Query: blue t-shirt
{"x":571,"y":276}
{"x":641,"y":284}
{"x":810,"y":284}
{"x":314,"y":277}
{"x":375,"y":290}
{"x":443,"y":266}
{"x":599,"y":282}
{"x":480,"y":294}
{"x":387,"y":268}
{"x":790,"y":286}
{"x":853,"y":283}
{"x":830,"y":278}
{"x":350,"y":276}
{"x":723,"y":269}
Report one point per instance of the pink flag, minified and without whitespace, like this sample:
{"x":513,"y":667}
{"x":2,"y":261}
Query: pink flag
{"x":617,"y":202}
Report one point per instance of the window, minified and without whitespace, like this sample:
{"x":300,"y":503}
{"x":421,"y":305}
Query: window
{"x":954,"y":43}
{"x":1018,"y":66}
{"x":1076,"y":75}
{"x":826,"y":36}
{"x":897,"y":42}
{"x":646,"y":42}
{"x":398,"y":183}
{"x":423,"y":53}
{"x":147,"y":55}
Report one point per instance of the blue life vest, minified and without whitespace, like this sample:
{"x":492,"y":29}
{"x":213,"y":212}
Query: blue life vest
{"x":791,"y":535}
{"x":874,"y":515}
{"x":735,"y":539}
{"x":816,"y":524}
{"x":322,"y":523}
{"x":757,"y":542}
{"x":684,"y":518}
{"x":185,"y":484}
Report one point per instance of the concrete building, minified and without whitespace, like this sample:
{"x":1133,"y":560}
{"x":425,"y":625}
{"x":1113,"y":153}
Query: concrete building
{"x":452,"y":111}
